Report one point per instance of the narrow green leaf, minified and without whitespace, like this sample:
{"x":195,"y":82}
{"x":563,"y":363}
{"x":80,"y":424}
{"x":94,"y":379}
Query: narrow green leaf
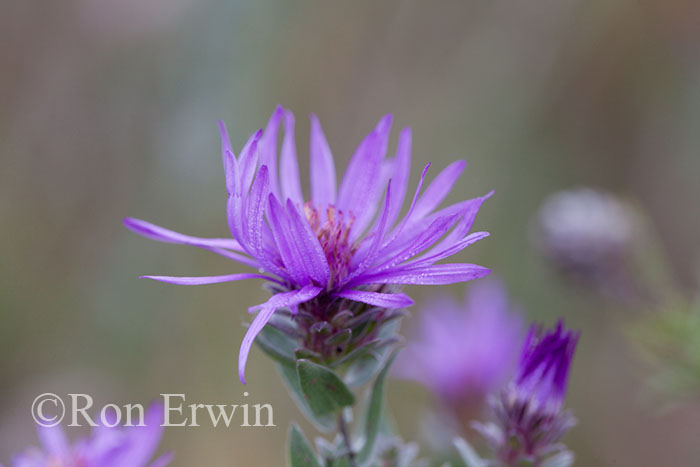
{"x":323,"y":423}
{"x":374,"y":411}
{"x":324,"y":391}
{"x":300,"y":452}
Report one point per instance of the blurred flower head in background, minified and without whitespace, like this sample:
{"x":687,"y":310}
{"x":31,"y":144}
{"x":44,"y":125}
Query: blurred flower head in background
{"x":589,"y":235}
{"x":343,"y":247}
{"x":528,"y":418}
{"x":464,"y":351}
{"x":107,"y":446}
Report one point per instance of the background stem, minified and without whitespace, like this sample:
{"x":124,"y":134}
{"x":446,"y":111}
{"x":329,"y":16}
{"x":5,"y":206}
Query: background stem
{"x":343,"y":429}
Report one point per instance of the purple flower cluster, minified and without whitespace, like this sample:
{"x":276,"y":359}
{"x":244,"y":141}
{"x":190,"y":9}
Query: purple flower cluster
{"x":345,"y":244}
{"x":465,"y":351}
{"x":528,"y":418}
{"x":106,"y":447}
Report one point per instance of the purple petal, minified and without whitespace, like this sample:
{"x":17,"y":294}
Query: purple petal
{"x":53,"y":440}
{"x":202,"y":280}
{"x":234,"y":208}
{"x":436,"y":255}
{"x":465,"y":224}
{"x":217,"y":245}
{"x":256,"y":210}
{"x":311,"y":252}
{"x":420,"y":243}
{"x":323,"y":189}
{"x":371,"y":254}
{"x":438,"y":189}
{"x":227,"y":156}
{"x":268,"y":148}
{"x":440,"y":274}
{"x":285,"y":299}
{"x":144,"y":439}
{"x":399,"y":228}
{"x":289,"y":167}
{"x":285,"y":240}
{"x":248,"y":161}
{"x":361,"y":184}
{"x":161,"y":234}
{"x":416,"y":226}
{"x":385,"y":300}
{"x":400,"y":174}
{"x":163,"y":460}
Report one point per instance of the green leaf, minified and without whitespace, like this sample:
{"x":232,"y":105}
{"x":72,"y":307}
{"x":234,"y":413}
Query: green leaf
{"x":277,"y":345}
{"x":323,"y":423}
{"x":300,"y":452}
{"x":324,"y":391}
{"x":375,"y":410}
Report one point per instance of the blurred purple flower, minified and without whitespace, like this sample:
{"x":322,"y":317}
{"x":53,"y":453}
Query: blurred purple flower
{"x":465,"y":351}
{"x":528,"y":418}
{"x":344,"y":243}
{"x":106,"y":447}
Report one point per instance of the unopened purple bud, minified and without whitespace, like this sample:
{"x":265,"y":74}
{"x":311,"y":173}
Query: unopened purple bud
{"x":543,"y":371}
{"x":528,"y":421}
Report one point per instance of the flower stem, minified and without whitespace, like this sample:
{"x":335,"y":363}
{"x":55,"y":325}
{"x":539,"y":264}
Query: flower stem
{"x":343,"y":429}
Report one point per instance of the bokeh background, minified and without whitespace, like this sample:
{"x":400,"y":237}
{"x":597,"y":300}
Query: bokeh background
{"x":109,"y":109}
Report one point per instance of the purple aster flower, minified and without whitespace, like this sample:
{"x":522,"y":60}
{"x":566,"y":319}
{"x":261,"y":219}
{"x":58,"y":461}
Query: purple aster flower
{"x":343,"y":245}
{"x":528,"y":418}
{"x":465,"y":351}
{"x":106,"y":447}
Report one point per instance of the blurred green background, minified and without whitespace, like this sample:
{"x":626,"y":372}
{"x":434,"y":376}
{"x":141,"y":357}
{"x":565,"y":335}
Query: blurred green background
{"x":109,"y":109}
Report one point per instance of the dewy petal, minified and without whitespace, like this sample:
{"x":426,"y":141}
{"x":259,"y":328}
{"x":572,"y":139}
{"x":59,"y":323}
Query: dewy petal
{"x":361,"y":184}
{"x":399,"y":228}
{"x":256,"y":210}
{"x":323,"y":188}
{"x":438,"y":189}
{"x":268,"y":148}
{"x":285,"y":299}
{"x":440,"y":274}
{"x":420,"y":243}
{"x":311,"y":252}
{"x":465,"y":224}
{"x":227,"y":156}
{"x":384,"y":300}
{"x":161,"y":234}
{"x":416,"y":226}
{"x":371,"y":254}
{"x":436,"y":255}
{"x":285,"y":240}
{"x":220,"y":246}
{"x":289,"y":167}
{"x":248,"y":161}
{"x":202,"y":280}
{"x":400,"y":174}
